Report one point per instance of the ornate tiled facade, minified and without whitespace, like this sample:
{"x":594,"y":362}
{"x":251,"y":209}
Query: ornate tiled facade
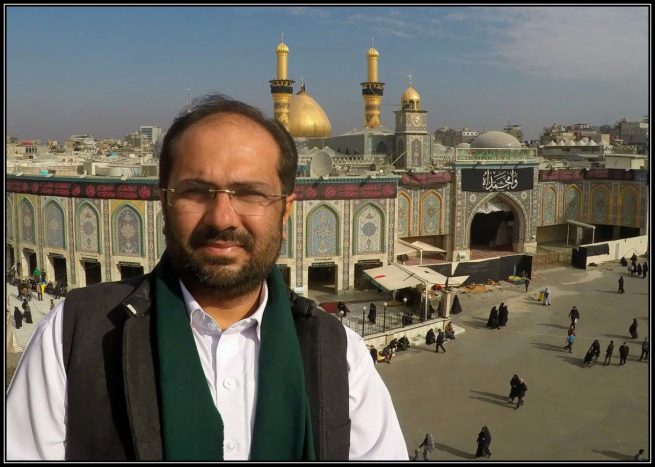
{"x":338,"y":223}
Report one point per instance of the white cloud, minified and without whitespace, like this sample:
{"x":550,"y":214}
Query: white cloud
{"x":577,"y":43}
{"x":307,"y":11}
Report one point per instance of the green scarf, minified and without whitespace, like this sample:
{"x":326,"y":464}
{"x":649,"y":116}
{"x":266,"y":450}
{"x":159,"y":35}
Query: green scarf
{"x":192,"y":428}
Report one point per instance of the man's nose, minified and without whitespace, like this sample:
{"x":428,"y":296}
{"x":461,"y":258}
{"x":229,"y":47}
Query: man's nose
{"x":220,"y":212}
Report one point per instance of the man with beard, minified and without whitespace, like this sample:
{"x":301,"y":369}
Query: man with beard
{"x":208,"y":357}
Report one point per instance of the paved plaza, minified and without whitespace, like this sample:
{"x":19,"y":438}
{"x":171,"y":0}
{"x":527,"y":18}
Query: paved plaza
{"x":571,"y":412}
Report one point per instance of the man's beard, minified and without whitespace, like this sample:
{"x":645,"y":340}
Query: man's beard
{"x":214,"y":274}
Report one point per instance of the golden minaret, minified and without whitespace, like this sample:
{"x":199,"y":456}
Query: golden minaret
{"x":281,"y":87}
{"x":372,"y":91}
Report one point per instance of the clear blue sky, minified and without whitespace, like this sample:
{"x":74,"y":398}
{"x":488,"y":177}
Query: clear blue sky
{"x":106,"y":70}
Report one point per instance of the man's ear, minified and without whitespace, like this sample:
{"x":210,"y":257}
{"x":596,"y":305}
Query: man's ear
{"x":288,"y":208}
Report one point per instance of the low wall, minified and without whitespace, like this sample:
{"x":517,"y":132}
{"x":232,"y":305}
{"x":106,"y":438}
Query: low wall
{"x":381,"y":339}
{"x":620,"y":248}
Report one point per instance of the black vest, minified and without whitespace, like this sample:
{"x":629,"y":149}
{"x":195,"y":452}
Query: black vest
{"x":110,"y":355}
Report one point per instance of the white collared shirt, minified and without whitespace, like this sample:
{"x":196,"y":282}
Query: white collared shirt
{"x":36,"y":398}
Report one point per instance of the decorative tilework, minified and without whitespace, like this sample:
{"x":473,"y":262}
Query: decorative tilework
{"x":572,"y":203}
{"x":322,"y":232}
{"x":161,"y":239}
{"x":601,"y":207}
{"x":404,"y":213}
{"x":549,"y":206}
{"x":151,"y":235}
{"x":391,"y":237}
{"x":88,"y":233}
{"x":369,"y":228}
{"x":70,"y":266}
{"x":107,"y":239}
{"x":27,"y":221}
{"x":300,"y":208}
{"x":54,"y":225}
{"x":416,"y":153}
{"x":128,"y":231}
{"x":629,"y":206}
{"x":10,"y":220}
{"x":430,"y":214}
{"x":346,"y":246}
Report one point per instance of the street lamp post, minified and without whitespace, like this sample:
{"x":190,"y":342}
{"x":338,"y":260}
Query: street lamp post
{"x":404,"y":310}
{"x":384,"y":318}
{"x":363,"y":319}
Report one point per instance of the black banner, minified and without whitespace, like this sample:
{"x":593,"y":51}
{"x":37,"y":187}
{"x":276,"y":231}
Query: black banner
{"x":491,"y":180}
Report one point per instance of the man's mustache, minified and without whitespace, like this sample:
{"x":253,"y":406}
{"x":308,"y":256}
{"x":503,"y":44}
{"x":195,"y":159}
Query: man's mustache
{"x":205,"y":235}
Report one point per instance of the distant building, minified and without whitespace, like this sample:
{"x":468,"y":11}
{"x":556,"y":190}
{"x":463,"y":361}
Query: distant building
{"x":152,"y":133}
{"x":515,"y":130}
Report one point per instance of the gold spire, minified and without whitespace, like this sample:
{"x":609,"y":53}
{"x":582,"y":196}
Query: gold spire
{"x":372,"y":91}
{"x":282,"y":86}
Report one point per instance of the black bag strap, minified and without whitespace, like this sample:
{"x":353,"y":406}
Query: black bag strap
{"x":324,"y":344}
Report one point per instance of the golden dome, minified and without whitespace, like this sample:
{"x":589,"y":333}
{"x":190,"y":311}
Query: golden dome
{"x":307,"y":118}
{"x":410,"y":95}
{"x":373,"y":53}
{"x":282,"y":47}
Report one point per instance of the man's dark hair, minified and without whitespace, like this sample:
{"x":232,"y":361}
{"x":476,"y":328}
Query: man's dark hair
{"x":217,"y":104}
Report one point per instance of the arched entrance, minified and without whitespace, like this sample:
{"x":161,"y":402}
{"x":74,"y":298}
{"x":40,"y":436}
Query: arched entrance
{"x":496,"y":224}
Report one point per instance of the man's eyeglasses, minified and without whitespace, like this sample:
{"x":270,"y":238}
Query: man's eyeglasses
{"x":196,"y":198}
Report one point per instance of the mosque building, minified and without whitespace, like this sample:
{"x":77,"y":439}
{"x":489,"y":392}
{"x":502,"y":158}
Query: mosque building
{"x":362,"y":197}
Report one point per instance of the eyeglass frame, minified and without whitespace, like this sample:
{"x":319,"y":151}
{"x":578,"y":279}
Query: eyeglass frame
{"x":230,"y":194}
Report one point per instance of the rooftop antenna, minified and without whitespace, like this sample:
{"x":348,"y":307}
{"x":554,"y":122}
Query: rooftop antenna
{"x":188,"y":100}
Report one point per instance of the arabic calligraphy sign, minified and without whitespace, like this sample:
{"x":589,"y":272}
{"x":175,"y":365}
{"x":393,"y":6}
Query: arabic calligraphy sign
{"x":490,"y":180}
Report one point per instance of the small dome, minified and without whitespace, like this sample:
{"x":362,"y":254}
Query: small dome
{"x":561,"y":143}
{"x":410,"y":95}
{"x":439,"y":147}
{"x":592,"y":143}
{"x":496,"y":140}
{"x":552,"y":143}
{"x":373,"y":53}
{"x":463,"y":146}
{"x":282,"y":47}
{"x":307,"y":118}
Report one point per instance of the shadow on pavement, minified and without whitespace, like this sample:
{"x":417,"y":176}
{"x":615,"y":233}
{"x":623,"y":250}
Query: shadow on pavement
{"x":480,"y":323}
{"x":491,"y":394}
{"x":575,"y":361}
{"x":551,"y":347}
{"x":558,"y":326}
{"x":613,"y":454}
{"x":454,"y":452}
{"x":492,"y":400}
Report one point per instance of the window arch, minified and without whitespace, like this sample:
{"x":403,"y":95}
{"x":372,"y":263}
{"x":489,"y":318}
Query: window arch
{"x":368,"y":229}
{"x":572,"y":203}
{"x":54,"y":225}
{"x":322,"y":231}
{"x":601,"y":205}
{"x":27,"y":224}
{"x":549,"y":206}
{"x":128,"y":231}
{"x":430,"y":214}
{"x":381,"y":148}
{"x":629,"y":206}
{"x":404,"y":215}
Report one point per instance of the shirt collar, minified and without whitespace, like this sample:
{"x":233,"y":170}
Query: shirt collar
{"x":253,"y":320}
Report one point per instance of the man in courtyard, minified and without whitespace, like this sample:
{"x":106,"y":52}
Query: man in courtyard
{"x":208,"y":357}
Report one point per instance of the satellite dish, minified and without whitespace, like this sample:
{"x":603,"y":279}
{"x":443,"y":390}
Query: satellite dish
{"x":321,"y":164}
